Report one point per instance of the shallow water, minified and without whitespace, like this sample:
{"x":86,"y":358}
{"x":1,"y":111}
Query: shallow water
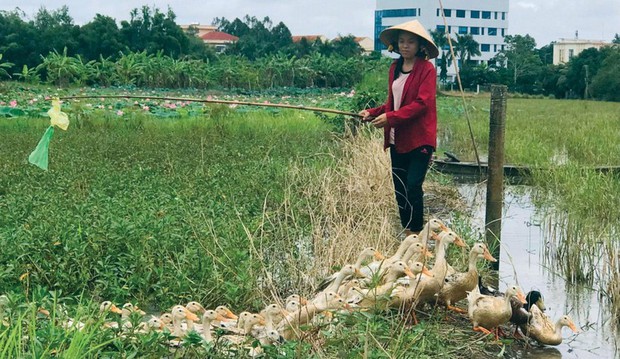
{"x":522,"y":253}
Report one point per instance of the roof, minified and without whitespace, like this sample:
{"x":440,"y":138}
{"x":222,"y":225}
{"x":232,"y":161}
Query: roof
{"x":310,"y":38}
{"x":356,"y":38}
{"x":219,"y":36}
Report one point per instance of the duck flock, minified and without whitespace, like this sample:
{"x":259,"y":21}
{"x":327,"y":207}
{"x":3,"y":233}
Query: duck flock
{"x":373,"y":282}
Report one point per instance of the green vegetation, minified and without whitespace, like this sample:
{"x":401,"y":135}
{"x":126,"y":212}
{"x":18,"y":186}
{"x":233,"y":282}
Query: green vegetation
{"x":565,"y":139}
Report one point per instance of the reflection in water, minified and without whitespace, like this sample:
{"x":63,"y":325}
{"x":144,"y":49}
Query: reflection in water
{"x":522,"y":261}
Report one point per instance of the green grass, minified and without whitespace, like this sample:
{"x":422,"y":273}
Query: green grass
{"x":146,"y":209}
{"x":538,"y":132}
{"x":564,"y":139}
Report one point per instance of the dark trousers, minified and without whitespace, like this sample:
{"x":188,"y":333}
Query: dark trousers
{"x":408,"y":173}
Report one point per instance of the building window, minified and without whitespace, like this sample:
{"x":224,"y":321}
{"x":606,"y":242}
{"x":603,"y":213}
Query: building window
{"x":503,"y":32}
{"x":399,"y":13}
{"x":502,"y":47}
{"x":495,"y":48}
{"x":438,"y":12}
{"x":460,"y":13}
{"x":475,"y":14}
{"x":486,"y":14}
{"x":482,"y":31}
{"x":220,"y":48}
{"x":447,"y":12}
{"x":571,"y":52}
{"x":496,"y":15}
{"x":492,"y":31}
{"x":462,"y":30}
{"x":503,"y":16}
{"x":485,"y":47}
{"x":474,"y":30}
{"x":441,"y":28}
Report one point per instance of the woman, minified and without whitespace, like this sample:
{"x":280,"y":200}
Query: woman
{"x":409,"y":117}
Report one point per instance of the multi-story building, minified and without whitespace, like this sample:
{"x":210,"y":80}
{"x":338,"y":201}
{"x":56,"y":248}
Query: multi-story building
{"x":566,"y":49}
{"x":486,"y":21}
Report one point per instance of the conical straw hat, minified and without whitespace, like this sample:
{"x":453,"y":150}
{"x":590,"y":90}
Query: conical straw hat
{"x":389,"y":36}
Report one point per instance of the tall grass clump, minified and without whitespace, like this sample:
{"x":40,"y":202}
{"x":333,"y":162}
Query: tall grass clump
{"x":582,"y":226}
{"x":564,"y":140}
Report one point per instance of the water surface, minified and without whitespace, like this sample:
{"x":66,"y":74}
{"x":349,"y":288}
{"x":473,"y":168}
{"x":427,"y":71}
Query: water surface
{"x":522,"y":261}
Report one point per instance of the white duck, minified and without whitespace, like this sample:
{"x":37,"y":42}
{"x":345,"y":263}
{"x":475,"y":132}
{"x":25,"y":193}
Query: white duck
{"x":458,"y":284}
{"x":488,"y":312}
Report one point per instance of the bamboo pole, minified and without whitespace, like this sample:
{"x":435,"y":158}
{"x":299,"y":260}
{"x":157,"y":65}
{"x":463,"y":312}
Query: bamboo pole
{"x":227,"y":102}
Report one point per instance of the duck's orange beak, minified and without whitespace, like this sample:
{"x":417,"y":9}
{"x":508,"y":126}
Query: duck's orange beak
{"x":459,"y":242}
{"x":444,"y":228}
{"x":573,"y":327}
{"x":115,"y":309}
{"x":303,"y":301}
{"x":220,"y":317}
{"x":231,"y":315}
{"x":487,"y":255}
{"x":359,"y":273}
{"x":434,"y":237}
{"x":521,"y":297}
{"x":427,"y":272}
{"x":409,"y":273}
{"x":378,"y":256}
{"x":428,"y":253}
{"x":191,"y":316}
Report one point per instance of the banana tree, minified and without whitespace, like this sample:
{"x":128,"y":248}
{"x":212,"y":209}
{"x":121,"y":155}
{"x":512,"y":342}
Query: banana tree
{"x":4,"y":66}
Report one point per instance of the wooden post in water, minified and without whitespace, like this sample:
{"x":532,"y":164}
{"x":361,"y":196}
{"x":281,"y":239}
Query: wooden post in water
{"x":495,"y":179}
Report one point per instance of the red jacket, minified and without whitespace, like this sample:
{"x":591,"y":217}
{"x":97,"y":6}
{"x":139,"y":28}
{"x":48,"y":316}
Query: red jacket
{"x":415,"y":122}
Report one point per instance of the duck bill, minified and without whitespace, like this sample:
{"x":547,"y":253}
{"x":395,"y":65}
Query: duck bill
{"x":115,"y":309}
{"x":459,"y":242}
{"x":434,"y":237}
{"x":220,"y":317}
{"x":428,"y":253}
{"x":427,"y":272}
{"x":359,"y":273}
{"x":444,"y":228}
{"x":521,"y":297}
{"x":378,"y":256}
{"x":191,"y":316}
{"x":231,"y":315}
{"x":487,"y":255}
{"x":409,"y":273}
{"x":572,"y":327}
{"x":540,"y":304}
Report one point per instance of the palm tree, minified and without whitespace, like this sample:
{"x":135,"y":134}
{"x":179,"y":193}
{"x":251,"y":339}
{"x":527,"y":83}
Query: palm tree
{"x":466,"y":47}
{"x":441,"y":40}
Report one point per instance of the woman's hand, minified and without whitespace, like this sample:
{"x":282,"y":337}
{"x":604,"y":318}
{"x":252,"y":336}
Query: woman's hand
{"x":365,"y":115}
{"x":380,"y":121}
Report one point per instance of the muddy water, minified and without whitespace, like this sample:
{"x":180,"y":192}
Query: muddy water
{"x":522,"y":250}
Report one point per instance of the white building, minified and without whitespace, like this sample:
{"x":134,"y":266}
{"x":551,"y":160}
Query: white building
{"x":566,"y":49}
{"x":486,"y":20}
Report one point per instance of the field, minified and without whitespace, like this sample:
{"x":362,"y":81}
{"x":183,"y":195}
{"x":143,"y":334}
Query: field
{"x":177,"y":202}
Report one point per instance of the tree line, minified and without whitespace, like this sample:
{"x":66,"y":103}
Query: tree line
{"x":151,"y":49}
{"x":526,"y":69}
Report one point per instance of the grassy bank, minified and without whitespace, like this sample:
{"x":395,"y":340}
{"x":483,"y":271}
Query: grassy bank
{"x":566,"y":139}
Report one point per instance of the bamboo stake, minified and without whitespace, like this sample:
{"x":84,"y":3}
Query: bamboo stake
{"x":228,"y":102}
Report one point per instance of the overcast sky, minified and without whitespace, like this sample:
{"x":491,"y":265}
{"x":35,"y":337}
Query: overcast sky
{"x":545,"y":20}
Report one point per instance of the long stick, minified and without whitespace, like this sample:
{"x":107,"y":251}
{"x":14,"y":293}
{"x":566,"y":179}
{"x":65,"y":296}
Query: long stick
{"x":229,"y":102}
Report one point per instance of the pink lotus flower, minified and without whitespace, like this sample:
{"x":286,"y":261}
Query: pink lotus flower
{"x":146,"y":108}
{"x":13,"y":103}
{"x":119,"y":113}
